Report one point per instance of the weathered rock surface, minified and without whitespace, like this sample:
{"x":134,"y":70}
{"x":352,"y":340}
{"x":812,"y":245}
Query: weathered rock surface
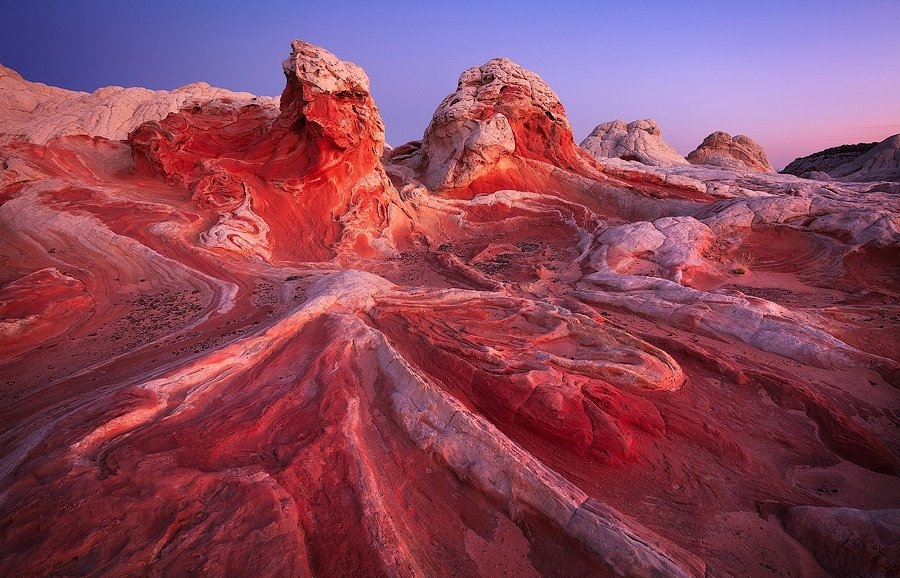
{"x":37,"y":113}
{"x":849,"y":542}
{"x":739,"y":152}
{"x":882,"y":163}
{"x":312,"y":172}
{"x":862,"y":162}
{"x":238,"y":343}
{"x":500,"y":117}
{"x":640,"y":140}
{"x":827,"y":160}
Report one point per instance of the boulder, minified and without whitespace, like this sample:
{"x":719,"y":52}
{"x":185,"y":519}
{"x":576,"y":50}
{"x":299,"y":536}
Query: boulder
{"x":498,"y":110}
{"x":739,"y":152}
{"x":640,"y":140}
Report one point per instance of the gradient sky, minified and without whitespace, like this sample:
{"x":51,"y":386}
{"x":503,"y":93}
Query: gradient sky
{"x":797,"y":76}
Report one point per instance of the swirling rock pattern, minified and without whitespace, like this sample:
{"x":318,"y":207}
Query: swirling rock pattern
{"x":241,"y":343}
{"x":36,"y":112}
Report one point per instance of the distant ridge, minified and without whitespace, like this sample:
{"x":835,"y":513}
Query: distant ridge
{"x":873,"y":161}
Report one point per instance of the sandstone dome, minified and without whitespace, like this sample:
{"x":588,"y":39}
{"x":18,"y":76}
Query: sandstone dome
{"x":639,"y":140}
{"x":739,"y":152}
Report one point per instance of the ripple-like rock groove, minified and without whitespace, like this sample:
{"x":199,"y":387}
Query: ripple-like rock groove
{"x":243,"y":342}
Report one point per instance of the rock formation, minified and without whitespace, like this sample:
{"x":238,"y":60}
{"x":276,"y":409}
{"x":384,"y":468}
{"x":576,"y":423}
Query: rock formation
{"x":249,"y":340}
{"x":500,"y":118}
{"x":37,"y":112}
{"x":741,"y":152}
{"x":827,"y":160}
{"x":849,"y":542}
{"x":640,"y":140}
{"x":322,"y":154}
{"x":861,"y":162}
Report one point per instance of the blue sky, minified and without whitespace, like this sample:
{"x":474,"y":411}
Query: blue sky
{"x":796,"y":76}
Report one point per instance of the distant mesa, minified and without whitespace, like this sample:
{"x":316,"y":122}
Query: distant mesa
{"x":862,"y":162}
{"x":739,"y":153}
{"x":640,"y":140}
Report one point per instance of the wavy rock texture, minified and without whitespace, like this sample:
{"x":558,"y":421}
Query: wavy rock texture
{"x":304,"y":181}
{"x":242,"y":343}
{"x":37,"y":113}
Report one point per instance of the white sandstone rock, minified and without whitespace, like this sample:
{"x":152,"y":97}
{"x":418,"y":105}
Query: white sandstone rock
{"x":640,"y":140}
{"x":37,"y":113}
{"x":882,"y":163}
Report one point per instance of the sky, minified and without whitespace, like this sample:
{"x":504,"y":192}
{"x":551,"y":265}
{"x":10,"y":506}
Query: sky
{"x":797,"y":76}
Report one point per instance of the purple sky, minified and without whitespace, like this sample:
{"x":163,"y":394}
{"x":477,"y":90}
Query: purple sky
{"x":795,"y":75}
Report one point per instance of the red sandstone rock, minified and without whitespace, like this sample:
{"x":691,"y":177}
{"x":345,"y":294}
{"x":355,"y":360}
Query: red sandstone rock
{"x":486,"y":135}
{"x":308,"y":170}
{"x":37,"y":308}
{"x":849,"y":542}
{"x":232,"y":347}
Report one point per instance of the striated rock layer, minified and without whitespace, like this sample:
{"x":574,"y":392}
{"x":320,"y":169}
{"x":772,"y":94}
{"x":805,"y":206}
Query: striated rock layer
{"x":37,"y":113}
{"x":298,"y":184}
{"x":258,"y":341}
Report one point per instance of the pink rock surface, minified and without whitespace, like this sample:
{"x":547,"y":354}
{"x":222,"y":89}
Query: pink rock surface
{"x":37,"y":113}
{"x":739,"y":152}
{"x":242,"y":343}
{"x":850,"y":542}
{"x":640,"y":140}
{"x":503,"y":127}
